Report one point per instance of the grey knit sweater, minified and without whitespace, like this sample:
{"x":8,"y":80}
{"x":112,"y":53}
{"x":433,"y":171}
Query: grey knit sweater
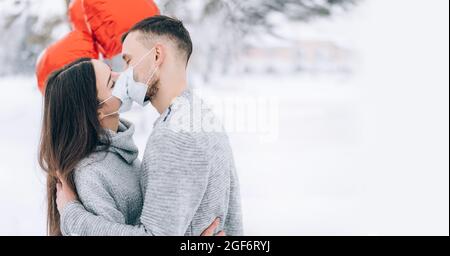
{"x":188,"y":179}
{"x":108,"y":181}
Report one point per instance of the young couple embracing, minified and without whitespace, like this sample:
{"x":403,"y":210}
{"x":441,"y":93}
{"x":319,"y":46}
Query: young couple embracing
{"x":186,"y":183}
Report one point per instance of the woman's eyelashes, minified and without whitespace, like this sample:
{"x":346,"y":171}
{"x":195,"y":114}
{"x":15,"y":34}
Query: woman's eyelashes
{"x":112,"y":83}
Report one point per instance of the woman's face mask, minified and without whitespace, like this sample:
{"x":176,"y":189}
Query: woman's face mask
{"x":127,"y":89}
{"x":102,"y":115}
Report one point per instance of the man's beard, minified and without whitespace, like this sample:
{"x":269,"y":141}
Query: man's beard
{"x":152,"y":91}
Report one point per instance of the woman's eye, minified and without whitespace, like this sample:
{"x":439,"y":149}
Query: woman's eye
{"x":113,"y":84}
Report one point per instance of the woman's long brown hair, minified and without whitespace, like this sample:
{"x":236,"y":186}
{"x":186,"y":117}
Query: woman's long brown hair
{"x":70,"y":129}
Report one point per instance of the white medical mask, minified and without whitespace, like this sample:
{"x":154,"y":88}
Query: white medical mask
{"x":120,"y":91}
{"x":110,"y":114}
{"x":135,"y":91}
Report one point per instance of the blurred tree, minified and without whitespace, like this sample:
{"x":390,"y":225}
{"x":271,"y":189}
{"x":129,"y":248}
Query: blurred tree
{"x":220,"y":27}
{"x":26,"y":28}
{"x":249,"y":15}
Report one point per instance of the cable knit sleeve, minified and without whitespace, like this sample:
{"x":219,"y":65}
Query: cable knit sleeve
{"x":97,"y":214}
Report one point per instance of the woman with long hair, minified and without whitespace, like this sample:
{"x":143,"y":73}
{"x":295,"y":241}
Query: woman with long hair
{"x":80,"y":127}
{"x":86,"y":145}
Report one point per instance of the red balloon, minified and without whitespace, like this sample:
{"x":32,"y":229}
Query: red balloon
{"x":75,"y":45}
{"x":109,"y":20}
{"x":98,"y":25}
{"x":77,"y":16}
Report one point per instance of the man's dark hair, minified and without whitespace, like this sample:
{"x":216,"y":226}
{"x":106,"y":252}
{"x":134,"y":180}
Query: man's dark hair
{"x":165,"y":26}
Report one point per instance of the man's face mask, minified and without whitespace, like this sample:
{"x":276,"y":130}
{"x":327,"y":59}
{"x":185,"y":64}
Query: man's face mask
{"x":127,"y":89}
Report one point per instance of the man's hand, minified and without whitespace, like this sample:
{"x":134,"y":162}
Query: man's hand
{"x":64,"y":194}
{"x":210,"y":230}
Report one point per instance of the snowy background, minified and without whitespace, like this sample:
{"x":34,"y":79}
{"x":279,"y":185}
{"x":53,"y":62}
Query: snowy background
{"x":354,"y":139}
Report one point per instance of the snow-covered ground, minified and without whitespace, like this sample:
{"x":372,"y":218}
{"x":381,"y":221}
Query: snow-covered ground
{"x":284,"y":176}
{"x":362,"y":155}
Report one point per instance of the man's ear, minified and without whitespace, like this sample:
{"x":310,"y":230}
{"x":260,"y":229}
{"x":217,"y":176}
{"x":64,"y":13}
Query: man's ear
{"x":160,"y":54}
